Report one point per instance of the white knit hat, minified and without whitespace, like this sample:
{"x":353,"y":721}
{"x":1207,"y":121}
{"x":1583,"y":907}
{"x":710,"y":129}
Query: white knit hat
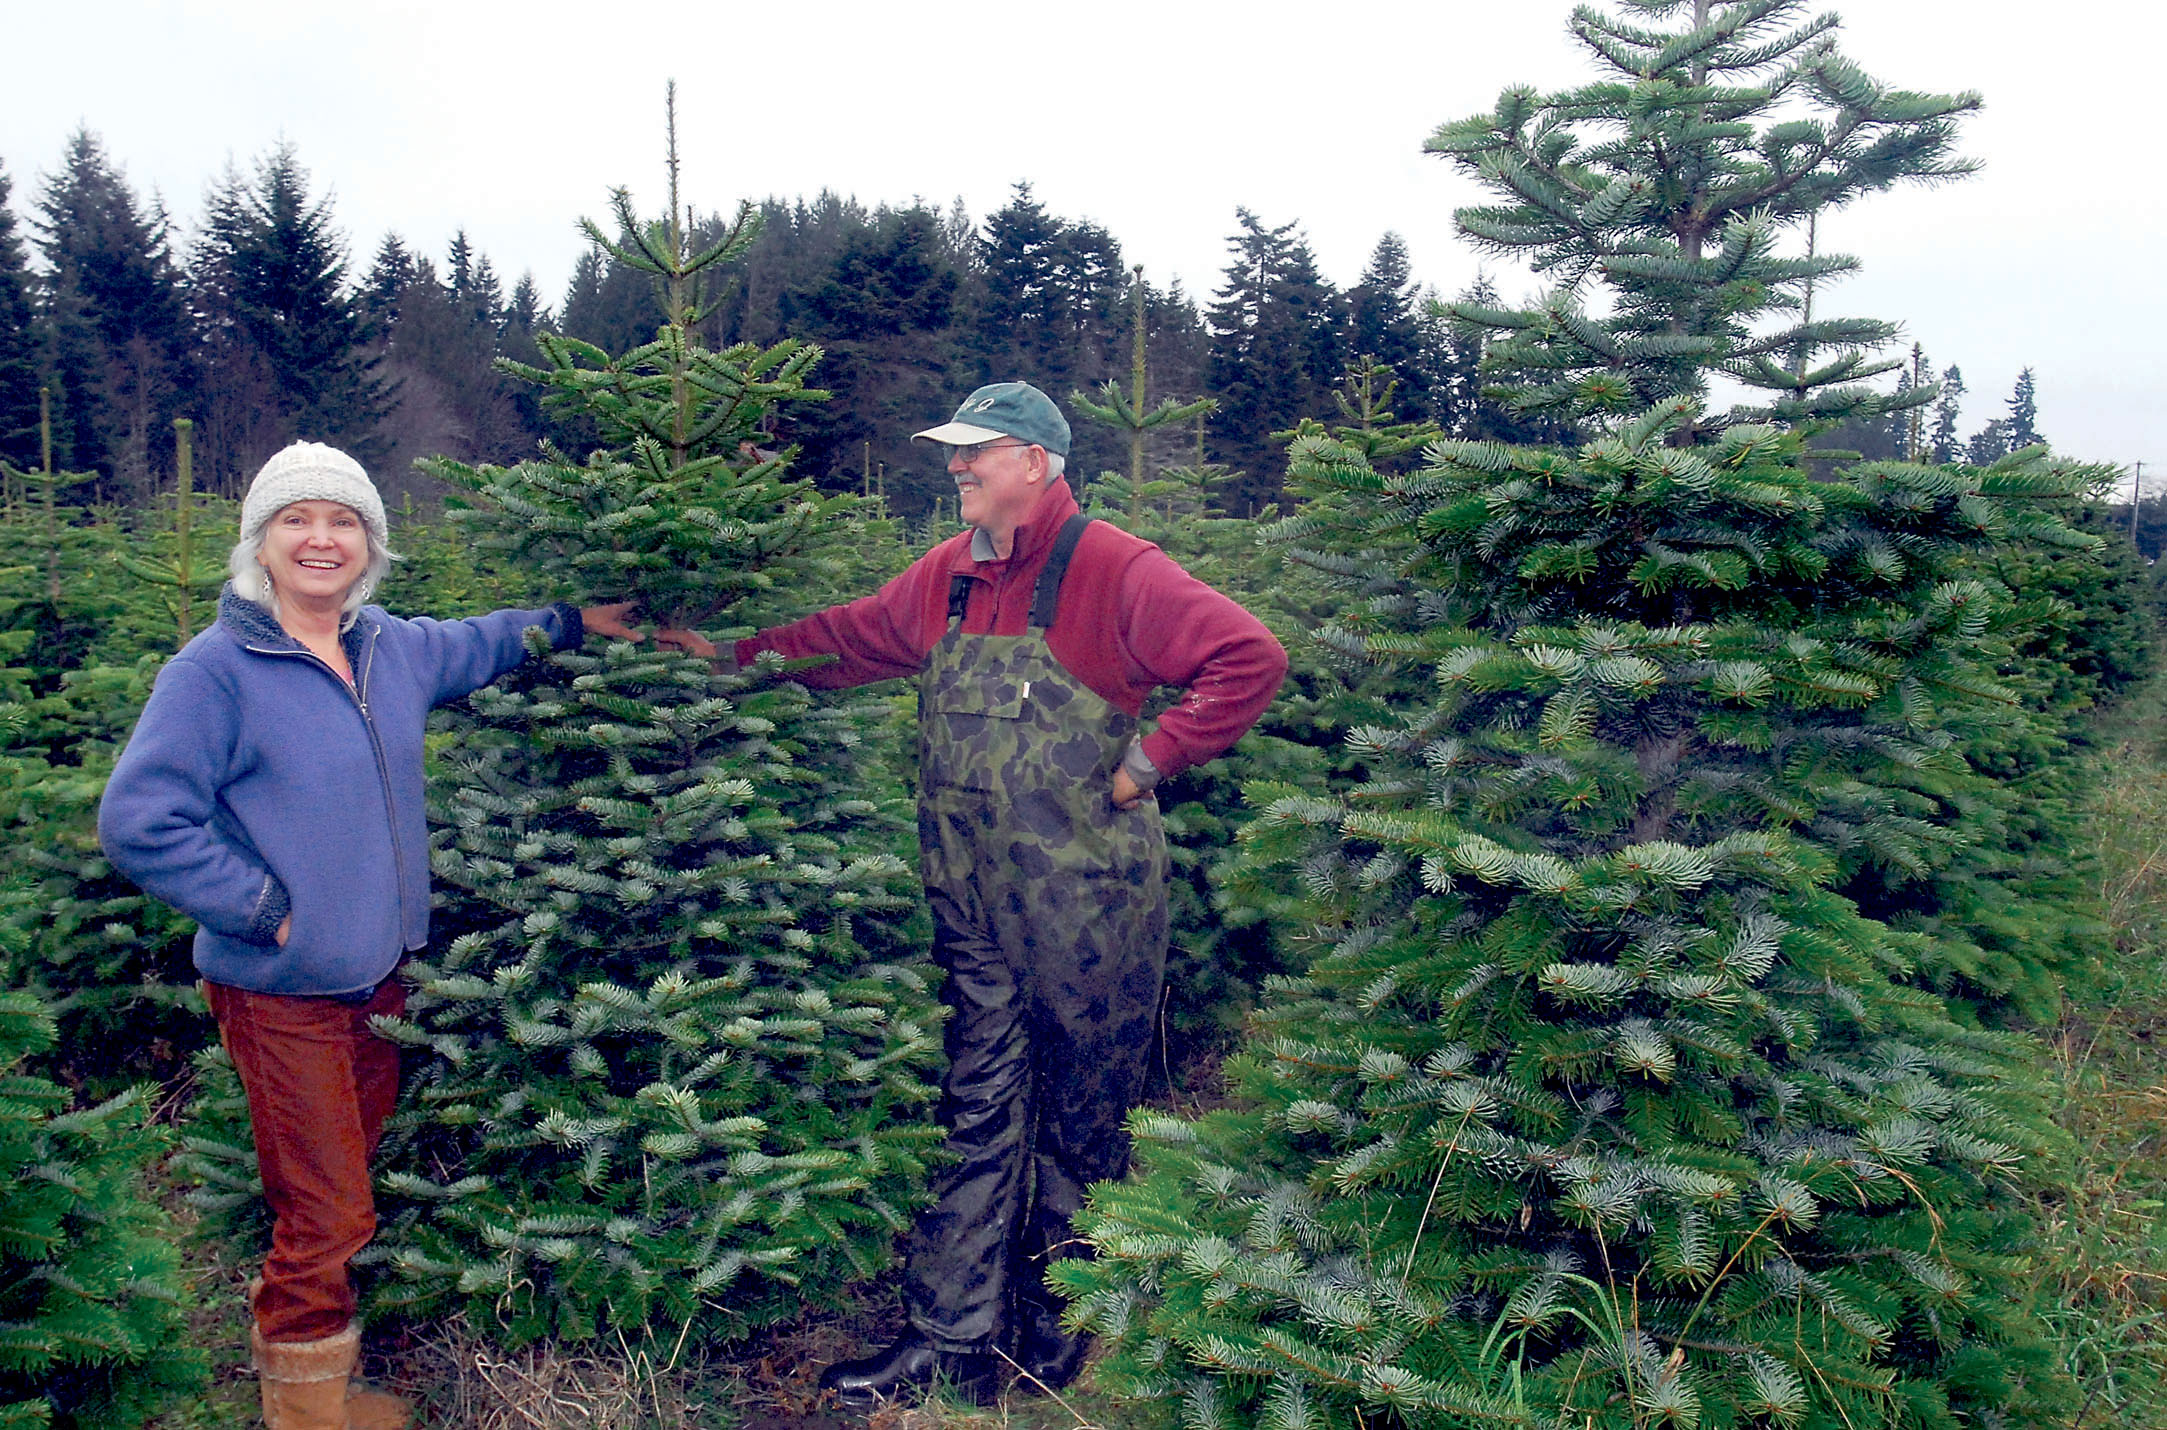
{"x":310,"y":471}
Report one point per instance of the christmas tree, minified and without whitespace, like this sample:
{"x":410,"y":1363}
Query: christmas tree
{"x":669,"y":1044}
{"x":91,"y":1310}
{"x":1220,"y":950}
{"x":1596,"y":1104}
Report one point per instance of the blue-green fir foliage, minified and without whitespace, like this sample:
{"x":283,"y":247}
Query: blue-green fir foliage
{"x":1596,"y":1104}
{"x":2005,"y":891}
{"x":2016,"y":915}
{"x":91,"y":1312}
{"x":1221,"y":945}
{"x":1718,"y":128}
{"x":668,"y":1050}
{"x":1595,"y":1101}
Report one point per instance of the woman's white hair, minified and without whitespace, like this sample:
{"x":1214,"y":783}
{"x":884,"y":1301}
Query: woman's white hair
{"x":252,"y":581}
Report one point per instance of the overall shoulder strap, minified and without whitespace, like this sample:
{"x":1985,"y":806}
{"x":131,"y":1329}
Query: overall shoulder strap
{"x":1046,"y":598}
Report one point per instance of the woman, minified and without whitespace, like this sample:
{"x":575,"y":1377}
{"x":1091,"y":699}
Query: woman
{"x":272,"y":791}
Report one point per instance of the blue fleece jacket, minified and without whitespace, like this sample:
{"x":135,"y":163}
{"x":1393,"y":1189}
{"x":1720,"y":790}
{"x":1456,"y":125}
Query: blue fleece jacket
{"x":259,"y":784}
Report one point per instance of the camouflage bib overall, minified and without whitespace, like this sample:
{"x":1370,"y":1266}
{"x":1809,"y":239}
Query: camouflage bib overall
{"x":1049,"y":907}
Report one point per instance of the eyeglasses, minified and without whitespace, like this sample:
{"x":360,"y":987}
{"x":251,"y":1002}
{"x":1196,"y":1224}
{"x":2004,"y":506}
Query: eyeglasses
{"x":975,"y":450}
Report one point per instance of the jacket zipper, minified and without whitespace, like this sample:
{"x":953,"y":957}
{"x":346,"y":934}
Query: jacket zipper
{"x":359,"y":691}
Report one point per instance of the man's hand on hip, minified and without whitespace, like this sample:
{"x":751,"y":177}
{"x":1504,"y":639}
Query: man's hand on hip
{"x":1126,"y":794}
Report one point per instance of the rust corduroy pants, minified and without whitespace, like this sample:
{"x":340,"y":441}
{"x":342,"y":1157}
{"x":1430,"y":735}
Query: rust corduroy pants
{"x":320,"y":1085}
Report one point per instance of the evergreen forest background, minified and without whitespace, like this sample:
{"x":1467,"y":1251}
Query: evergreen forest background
{"x":1680,"y":950}
{"x":261,"y":321}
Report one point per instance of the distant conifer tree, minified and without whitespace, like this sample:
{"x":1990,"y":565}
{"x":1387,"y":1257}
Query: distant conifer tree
{"x":2024,"y":413}
{"x":286,"y":350}
{"x":121,"y":348}
{"x":20,"y":344}
{"x":1942,"y":442}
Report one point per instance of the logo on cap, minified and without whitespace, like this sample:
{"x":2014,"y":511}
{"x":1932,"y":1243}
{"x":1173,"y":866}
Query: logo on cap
{"x":982,"y":404}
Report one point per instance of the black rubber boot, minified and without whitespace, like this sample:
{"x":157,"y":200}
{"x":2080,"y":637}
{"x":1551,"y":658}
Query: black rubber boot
{"x":1049,"y":1356}
{"x":910,"y":1368}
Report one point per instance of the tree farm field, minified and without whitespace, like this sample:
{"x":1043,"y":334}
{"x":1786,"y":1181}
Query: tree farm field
{"x":1682,"y":948}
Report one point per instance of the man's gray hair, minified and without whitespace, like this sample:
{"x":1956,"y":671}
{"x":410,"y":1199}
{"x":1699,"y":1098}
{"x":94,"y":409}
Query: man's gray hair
{"x":1055,"y":465}
{"x":251,"y":582}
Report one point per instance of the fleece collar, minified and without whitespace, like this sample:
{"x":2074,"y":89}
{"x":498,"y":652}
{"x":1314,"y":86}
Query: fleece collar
{"x":254,"y":625}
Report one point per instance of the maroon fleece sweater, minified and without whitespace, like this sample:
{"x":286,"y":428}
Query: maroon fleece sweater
{"x":1130,"y":621}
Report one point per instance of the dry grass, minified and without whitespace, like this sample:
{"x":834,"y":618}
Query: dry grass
{"x":461,"y":1380}
{"x":465,"y":1380}
{"x":2129,"y":823}
{"x":2103,"y":1259}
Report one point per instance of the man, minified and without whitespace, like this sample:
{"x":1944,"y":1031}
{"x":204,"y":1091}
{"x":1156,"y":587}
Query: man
{"x":1036,"y":636}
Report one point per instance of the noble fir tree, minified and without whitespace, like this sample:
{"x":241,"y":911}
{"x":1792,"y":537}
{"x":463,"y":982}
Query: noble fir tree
{"x":1672,"y":183}
{"x":80,"y":641}
{"x":92,"y":1314}
{"x":1596,"y":1105}
{"x":1222,"y":950}
{"x":669,"y":1047}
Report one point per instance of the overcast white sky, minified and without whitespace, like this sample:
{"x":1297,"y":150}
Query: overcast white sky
{"x":1153,"y":119}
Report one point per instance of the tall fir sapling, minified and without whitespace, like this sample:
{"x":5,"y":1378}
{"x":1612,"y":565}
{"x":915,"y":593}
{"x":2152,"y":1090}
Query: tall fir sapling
{"x":188,"y":579}
{"x":669,"y":1047}
{"x":1596,"y":1105}
{"x":1220,"y":949}
{"x":1124,"y":409}
{"x":79,"y":646}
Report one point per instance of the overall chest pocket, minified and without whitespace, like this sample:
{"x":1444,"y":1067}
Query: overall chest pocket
{"x":975,"y":720}
{"x":969,"y":695}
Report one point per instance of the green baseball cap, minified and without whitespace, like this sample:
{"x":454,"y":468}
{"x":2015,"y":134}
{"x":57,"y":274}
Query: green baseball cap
{"x":1003,"y":409}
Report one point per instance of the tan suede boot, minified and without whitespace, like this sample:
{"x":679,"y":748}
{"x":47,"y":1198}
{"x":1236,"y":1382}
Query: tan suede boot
{"x":304,"y":1382}
{"x":280,"y":1365}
